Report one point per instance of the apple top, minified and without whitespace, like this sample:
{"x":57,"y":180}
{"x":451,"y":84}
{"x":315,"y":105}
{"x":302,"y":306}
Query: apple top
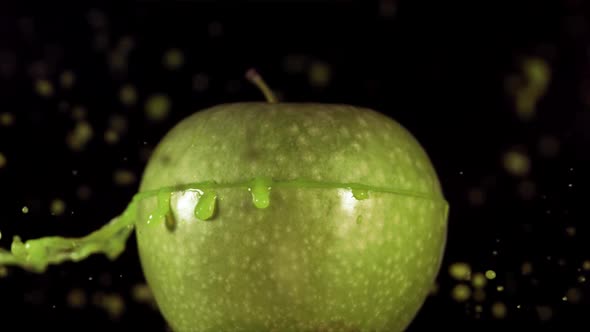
{"x":329,"y":143}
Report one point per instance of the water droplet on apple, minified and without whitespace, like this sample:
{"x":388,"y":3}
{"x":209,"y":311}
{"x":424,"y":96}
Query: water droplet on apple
{"x":360,"y":194}
{"x":260,"y":189}
{"x":205,"y":208}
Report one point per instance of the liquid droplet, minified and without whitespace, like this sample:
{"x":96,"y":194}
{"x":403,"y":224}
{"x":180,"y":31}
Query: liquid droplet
{"x":360,"y":194}
{"x":170,"y":221}
{"x":163,"y":206}
{"x":260,"y":190}
{"x":205,"y":208}
{"x":359,"y":219}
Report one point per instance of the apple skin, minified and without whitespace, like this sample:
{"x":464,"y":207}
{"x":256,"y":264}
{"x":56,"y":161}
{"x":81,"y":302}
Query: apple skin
{"x":316,"y":259}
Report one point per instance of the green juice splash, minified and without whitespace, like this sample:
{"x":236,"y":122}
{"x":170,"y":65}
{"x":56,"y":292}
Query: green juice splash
{"x":37,"y":254}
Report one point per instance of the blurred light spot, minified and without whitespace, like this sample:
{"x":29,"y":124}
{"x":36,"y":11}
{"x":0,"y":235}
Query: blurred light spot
{"x":479,"y":295}
{"x":544,"y":312}
{"x":84,"y":192}
{"x":76,"y":298}
{"x":500,"y":288}
{"x":2,"y":160}
{"x":499,"y":310}
{"x":581,"y":279}
{"x":529,"y":87}
{"x":294,"y":64}
{"x":78,"y":113}
{"x":173,"y":59}
{"x":128,"y":95}
{"x":79,"y":136}
{"x":57,"y":207}
{"x":3,"y":271}
{"x":320,"y":74}
{"x":460,"y":271}
{"x":44,"y":88}
{"x":461,"y":293}
{"x":67,"y":79}
{"x":96,"y":19}
{"x":157,"y":107}
{"x":548,"y":146}
{"x":516,"y":163}
{"x":490,"y":274}
{"x":215,"y":29}
{"x":200,"y":82}
{"x":476,"y":196}
{"x":118,"y":61}
{"x":527,"y":190}
{"x":479,"y":280}
{"x":112,"y":303}
{"x":25,"y":209}
{"x":387,"y":8}
{"x":6,"y":119}
{"x":570,"y":231}
{"x":111,"y":136}
{"x":142,"y":293}
{"x":586,"y":265}
{"x":573,"y":295}
{"x":123,"y":177}
{"x":118,"y":123}
{"x":126,"y":44}
{"x":526,"y":268}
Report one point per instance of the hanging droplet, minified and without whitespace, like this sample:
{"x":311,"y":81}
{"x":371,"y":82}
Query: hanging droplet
{"x":260,"y":190}
{"x":360,"y":194}
{"x":163,"y":206}
{"x":205,"y":208}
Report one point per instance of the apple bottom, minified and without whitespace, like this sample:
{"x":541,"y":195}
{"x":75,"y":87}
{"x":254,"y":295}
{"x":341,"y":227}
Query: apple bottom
{"x":314,"y":260}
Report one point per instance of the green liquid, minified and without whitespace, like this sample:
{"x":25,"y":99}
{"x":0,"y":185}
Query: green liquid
{"x":37,"y":254}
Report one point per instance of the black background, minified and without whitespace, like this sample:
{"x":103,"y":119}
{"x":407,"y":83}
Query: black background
{"x":438,"y":67}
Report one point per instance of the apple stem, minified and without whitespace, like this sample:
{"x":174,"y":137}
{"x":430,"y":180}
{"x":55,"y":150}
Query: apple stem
{"x":253,"y":76}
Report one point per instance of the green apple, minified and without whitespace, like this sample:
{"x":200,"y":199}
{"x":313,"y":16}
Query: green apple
{"x":278,"y":217}
{"x":349,"y":236}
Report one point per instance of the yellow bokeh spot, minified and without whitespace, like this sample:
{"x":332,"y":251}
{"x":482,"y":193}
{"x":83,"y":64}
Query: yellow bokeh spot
{"x":479,"y":280}
{"x":128,"y":95}
{"x":76,"y":298}
{"x":528,"y":87}
{"x":6,"y":119}
{"x":460,"y":271}
{"x":500,"y":288}
{"x":499,"y":310}
{"x":80,"y":136}
{"x":320,"y":74}
{"x":157,"y":107}
{"x":200,"y":82}
{"x":581,"y":279}
{"x":516,"y":163}
{"x":2,"y":160}
{"x":57,"y":207}
{"x":25,"y":209}
{"x":490,"y":274}
{"x":112,"y":303}
{"x":173,"y":59}
{"x":544,"y":312}
{"x":461,"y":293}
{"x":586,"y":265}
{"x":142,"y":293}
{"x":111,"y":136}
{"x":526,"y":268}
{"x":123,"y":177}
{"x":3,"y":271}
{"x":479,"y":295}
{"x":570,"y":231}
{"x":67,"y":79}
{"x":573,"y":295}
{"x":44,"y":88}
